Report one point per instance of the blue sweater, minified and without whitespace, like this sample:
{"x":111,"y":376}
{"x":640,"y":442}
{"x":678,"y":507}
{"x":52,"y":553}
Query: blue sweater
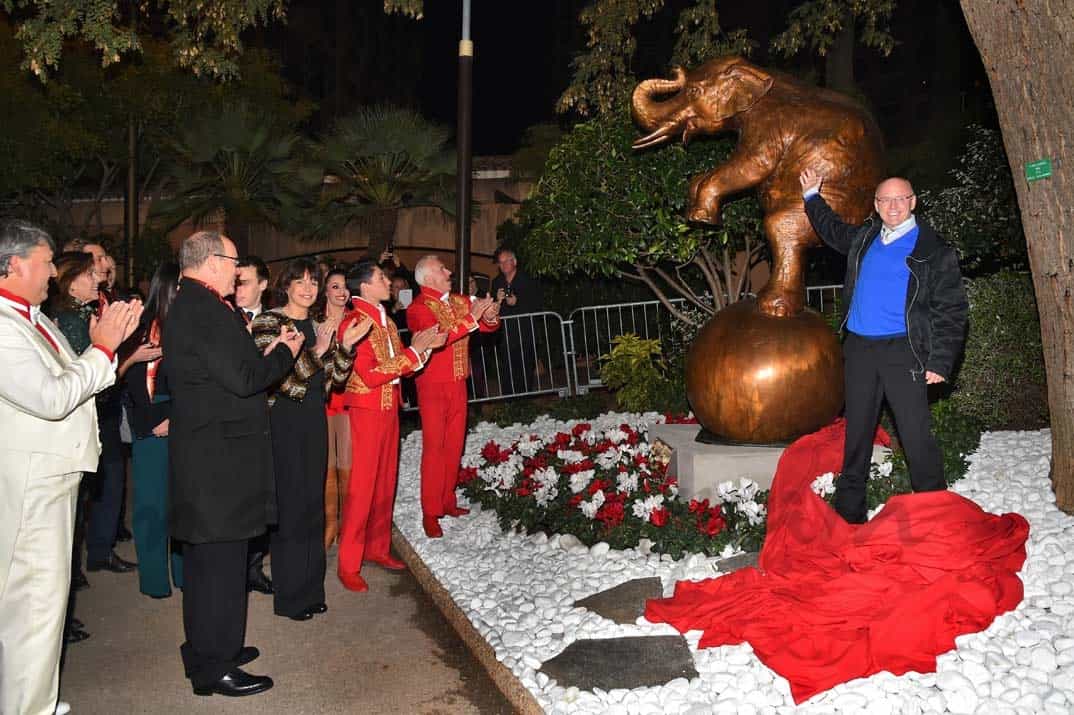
{"x":878,"y":308}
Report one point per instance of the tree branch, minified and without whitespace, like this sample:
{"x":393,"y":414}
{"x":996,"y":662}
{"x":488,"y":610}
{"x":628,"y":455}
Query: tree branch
{"x":718,"y":295}
{"x":641,"y":276}
{"x":710,"y":277}
{"x":684,"y":291}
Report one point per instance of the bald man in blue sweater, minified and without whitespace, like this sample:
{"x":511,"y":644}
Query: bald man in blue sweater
{"x":905,"y":326}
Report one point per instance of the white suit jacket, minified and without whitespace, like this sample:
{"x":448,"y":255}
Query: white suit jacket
{"x":48,"y":421}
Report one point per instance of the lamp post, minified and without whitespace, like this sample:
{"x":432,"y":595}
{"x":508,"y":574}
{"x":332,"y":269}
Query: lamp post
{"x":464,"y":150}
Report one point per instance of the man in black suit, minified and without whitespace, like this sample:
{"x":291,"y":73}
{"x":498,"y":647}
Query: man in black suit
{"x":222,"y":488}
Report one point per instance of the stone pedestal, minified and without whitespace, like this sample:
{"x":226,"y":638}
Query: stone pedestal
{"x":701,"y":467}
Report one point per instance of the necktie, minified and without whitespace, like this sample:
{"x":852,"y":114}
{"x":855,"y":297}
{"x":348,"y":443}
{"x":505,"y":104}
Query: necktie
{"x":249,"y":315}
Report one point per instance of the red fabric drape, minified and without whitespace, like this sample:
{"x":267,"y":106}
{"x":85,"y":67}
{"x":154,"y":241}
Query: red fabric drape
{"x":830,"y":602}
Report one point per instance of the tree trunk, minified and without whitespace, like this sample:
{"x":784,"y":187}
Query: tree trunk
{"x":839,"y":62}
{"x":1028,"y":54}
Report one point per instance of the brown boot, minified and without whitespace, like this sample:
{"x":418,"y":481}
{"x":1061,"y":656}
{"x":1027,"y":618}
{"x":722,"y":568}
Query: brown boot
{"x":331,"y":507}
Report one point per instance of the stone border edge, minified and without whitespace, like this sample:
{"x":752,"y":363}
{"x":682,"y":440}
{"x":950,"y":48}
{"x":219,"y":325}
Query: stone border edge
{"x":512,"y":688}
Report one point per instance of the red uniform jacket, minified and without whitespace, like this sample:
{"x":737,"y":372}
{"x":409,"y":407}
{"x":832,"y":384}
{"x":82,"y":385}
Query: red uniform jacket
{"x":375,"y":365}
{"x":451,"y":362}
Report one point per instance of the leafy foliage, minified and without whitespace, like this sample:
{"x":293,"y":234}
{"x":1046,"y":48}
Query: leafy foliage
{"x":239,"y":161}
{"x":205,"y":37}
{"x":604,"y":209}
{"x":979,"y":213}
{"x":604,"y":74}
{"x":815,"y":24}
{"x":1002,"y":383}
{"x":384,"y":159}
{"x":635,"y":370}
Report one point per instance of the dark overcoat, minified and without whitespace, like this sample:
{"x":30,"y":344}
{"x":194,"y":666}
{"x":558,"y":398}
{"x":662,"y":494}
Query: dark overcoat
{"x":222,"y":486}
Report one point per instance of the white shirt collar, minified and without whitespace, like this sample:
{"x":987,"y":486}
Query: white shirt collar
{"x":887,"y":235}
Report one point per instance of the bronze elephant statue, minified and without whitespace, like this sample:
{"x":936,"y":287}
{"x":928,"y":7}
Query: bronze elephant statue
{"x":784,"y":126}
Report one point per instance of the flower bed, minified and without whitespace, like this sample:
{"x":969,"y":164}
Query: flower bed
{"x":604,"y":481}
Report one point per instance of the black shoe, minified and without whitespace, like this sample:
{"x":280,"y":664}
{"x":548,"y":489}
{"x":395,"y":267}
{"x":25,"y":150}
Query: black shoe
{"x":79,"y":580}
{"x":124,"y":534}
{"x":318,"y":608}
{"x":75,"y":635}
{"x":247,"y":654}
{"x":113,"y":563}
{"x":236,"y":683}
{"x":256,"y":580}
{"x":302,"y":616}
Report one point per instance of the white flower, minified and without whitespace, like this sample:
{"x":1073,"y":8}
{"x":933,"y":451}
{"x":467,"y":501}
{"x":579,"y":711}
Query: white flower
{"x":742,"y":491}
{"x":729,"y":551}
{"x":627,"y":482}
{"x":546,"y":476}
{"x":644,"y":507}
{"x":589,"y":508}
{"x":615,"y":436}
{"x":545,"y":494}
{"x":529,"y":445}
{"x":755,"y":513}
{"x":884,"y":469}
{"x":607,"y":459}
{"x":570,"y":456}
{"x":824,"y":484}
{"x":580,"y":480}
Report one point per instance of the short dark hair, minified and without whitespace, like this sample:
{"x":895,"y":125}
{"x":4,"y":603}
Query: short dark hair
{"x":502,"y":250}
{"x":295,"y":269}
{"x":359,"y":273}
{"x":258,"y":265}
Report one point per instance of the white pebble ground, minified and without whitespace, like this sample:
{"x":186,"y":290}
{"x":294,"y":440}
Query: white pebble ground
{"x":518,"y":590}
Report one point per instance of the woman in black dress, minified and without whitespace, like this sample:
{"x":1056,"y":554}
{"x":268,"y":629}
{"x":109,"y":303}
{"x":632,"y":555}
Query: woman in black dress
{"x":300,"y":439}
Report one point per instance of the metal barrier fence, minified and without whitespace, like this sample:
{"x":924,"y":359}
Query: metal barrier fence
{"x":543,"y":354}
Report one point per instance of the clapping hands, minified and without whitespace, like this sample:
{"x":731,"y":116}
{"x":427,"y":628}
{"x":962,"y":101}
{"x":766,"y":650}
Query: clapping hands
{"x":355,"y":332}
{"x":117,"y":322}
{"x":289,"y":337}
{"x":428,"y":339}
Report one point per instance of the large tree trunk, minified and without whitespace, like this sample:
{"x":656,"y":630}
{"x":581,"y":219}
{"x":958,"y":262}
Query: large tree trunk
{"x":839,"y":62}
{"x":1029,"y":56}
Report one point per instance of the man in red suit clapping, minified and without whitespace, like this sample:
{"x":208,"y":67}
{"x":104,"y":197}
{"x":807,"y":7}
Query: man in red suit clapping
{"x":442,"y":384}
{"x":372,"y":402}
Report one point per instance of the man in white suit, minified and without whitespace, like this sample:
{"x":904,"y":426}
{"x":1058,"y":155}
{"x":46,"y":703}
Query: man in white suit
{"x":49,"y":426}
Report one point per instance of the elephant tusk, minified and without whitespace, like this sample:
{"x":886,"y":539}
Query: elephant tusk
{"x":657,"y":137}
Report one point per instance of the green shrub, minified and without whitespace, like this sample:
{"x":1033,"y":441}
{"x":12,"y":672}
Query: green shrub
{"x":637,"y":373}
{"x":1002,"y":384}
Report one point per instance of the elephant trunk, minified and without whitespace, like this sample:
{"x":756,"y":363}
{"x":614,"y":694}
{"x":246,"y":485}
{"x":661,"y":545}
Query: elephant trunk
{"x":660,"y":118}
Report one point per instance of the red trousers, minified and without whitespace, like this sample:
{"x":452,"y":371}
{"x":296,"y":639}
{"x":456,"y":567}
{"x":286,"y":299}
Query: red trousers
{"x":443,"y":435}
{"x":367,"y":512}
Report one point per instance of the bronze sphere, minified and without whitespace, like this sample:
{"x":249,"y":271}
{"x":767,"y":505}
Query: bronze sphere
{"x":755,"y":378}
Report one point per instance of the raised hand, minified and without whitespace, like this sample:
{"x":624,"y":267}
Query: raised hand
{"x":492,"y":313}
{"x":146,"y":352}
{"x":325,"y":333}
{"x":810,"y":179}
{"x":355,"y":332}
{"x":293,"y":339}
{"x":480,"y":306}
{"x":118,"y":320}
{"x":428,"y":339}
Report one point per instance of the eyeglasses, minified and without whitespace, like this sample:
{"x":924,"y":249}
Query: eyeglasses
{"x":230,"y":258}
{"x":888,"y":200}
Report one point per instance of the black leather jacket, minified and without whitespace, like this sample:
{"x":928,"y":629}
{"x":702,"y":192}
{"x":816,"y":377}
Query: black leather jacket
{"x":936,"y":305}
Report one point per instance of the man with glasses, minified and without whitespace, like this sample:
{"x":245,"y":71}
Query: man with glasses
{"x":222,"y":487}
{"x":905,"y":325}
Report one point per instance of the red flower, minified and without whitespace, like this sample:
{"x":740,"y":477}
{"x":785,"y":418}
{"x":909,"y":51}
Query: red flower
{"x":580,"y":429}
{"x":491,"y":452}
{"x":679,"y":419}
{"x":696,"y":507}
{"x":714,"y":525}
{"x":659,"y":517}
{"x":597,"y":485}
{"x":523,"y":491}
{"x":611,"y":514}
{"x":467,"y":474}
{"x":576,"y":499}
{"x":562,"y":440}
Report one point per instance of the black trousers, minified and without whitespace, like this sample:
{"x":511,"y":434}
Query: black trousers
{"x":300,"y":460}
{"x":875,"y":370}
{"x":214,"y":609}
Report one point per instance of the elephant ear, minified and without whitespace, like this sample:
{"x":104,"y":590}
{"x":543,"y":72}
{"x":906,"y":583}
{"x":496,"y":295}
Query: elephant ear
{"x":749,"y":85}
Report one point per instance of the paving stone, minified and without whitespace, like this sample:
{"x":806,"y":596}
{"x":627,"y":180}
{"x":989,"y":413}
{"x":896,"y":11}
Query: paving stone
{"x":626,"y":602}
{"x":632,"y":662}
{"x":738,"y":562}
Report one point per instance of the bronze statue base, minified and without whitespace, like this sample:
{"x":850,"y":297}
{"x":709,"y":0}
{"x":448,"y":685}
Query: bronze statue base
{"x":758,"y":379}
{"x":706,"y":436}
